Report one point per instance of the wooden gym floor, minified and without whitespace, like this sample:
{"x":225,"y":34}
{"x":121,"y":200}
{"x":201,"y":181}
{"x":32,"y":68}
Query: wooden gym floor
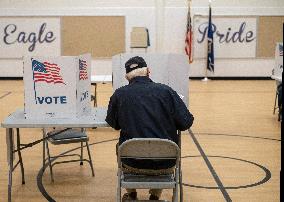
{"x":233,"y":153}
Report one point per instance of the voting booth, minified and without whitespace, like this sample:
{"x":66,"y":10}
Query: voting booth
{"x":57,"y":87}
{"x":169,"y":69}
{"x":278,"y":68}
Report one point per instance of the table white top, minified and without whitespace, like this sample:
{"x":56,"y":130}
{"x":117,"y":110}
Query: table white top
{"x":96,"y":119}
{"x":101,"y":78}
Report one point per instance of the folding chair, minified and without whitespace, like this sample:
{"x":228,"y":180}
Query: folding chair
{"x":278,"y":84}
{"x":275,"y":100}
{"x":149,"y":148}
{"x":66,"y":136}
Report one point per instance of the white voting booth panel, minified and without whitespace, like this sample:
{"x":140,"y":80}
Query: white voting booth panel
{"x":278,"y":68}
{"x":57,"y":87}
{"x":169,"y":69}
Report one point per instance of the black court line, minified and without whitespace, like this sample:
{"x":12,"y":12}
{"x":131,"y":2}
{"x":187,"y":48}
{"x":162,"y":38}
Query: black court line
{"x":243,"y":136}
{"x":266,"y":178}
{"x":226,"y":92}
{"x":8,"y":93}
{"x":41,"y":171}
{"x":209,"y":165}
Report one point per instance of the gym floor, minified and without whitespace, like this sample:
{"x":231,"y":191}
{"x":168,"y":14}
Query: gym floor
{"x":232,"y":154}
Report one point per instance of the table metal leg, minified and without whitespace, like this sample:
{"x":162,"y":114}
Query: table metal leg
{"x":95,"y":98}
{"x":10,"y":143}
{"x":43,"y":147}
{"x":20,"y":156}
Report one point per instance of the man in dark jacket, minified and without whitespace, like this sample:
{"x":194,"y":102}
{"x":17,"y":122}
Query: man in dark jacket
{"x":145,"y":109}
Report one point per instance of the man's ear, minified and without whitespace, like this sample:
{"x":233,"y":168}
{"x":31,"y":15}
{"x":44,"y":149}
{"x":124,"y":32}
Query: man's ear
{"x":148,"y":71}
{"x":126,"y":77}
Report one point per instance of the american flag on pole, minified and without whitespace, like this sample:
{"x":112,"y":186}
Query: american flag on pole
{"x":210,"y":53}
{"x":188,"y":38}
{"x":46,"y":72}
{"x":280,"y":50}
{"x":83,"y":74}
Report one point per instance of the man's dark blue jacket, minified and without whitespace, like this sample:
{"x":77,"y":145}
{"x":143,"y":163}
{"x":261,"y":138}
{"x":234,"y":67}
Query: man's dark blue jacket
{"x":145,"y":109}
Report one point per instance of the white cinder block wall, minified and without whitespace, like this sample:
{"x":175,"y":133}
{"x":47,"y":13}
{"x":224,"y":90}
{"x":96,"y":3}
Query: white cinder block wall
{"x":165,"y":19}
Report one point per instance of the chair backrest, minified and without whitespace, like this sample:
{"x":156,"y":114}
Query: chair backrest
{"x":148,"y":148}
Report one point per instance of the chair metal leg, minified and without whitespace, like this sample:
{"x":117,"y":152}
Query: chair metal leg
{"x":274,"y":108}
{"x":90,"y":159}
{"x":180,"y":187}
{"x":175,"y":190}
{"x":118,"y":194}
{"x":176,"y":193}
{"x":49,"y":161}
{"x":20,"y":156}
{"x":175,"y":199}
{"x":81,"y":156}
{"x":180,"y":172}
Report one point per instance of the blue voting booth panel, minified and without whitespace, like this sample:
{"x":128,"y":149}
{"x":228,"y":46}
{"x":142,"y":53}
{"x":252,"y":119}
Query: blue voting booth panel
{"x":169,"y":69}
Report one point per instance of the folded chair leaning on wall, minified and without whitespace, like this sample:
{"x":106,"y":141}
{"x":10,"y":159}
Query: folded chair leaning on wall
{"x":149,"y":148}
{"x":66,"y":136}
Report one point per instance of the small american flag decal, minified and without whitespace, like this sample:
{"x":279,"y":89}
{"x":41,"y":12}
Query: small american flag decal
{"x":83,"y":74}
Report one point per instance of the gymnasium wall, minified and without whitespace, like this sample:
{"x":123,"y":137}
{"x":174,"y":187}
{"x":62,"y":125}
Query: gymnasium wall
{"x":165,"y":20}
{"x":138,"y":3}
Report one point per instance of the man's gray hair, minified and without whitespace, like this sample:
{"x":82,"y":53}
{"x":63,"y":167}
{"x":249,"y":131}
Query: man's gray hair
{"x":137,"y":72}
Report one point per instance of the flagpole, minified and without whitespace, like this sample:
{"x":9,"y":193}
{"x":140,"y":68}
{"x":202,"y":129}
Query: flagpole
{"x":188,"y":38}
{"x":190,"y":21}
{"x":206,"y":69}
{"x":34,"y":80}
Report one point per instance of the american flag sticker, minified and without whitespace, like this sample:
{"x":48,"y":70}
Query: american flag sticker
{"x":46,"y":72}
{"x":83,"y":74}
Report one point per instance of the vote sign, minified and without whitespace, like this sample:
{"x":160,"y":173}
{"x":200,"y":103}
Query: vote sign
{"x":57,"y":87}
